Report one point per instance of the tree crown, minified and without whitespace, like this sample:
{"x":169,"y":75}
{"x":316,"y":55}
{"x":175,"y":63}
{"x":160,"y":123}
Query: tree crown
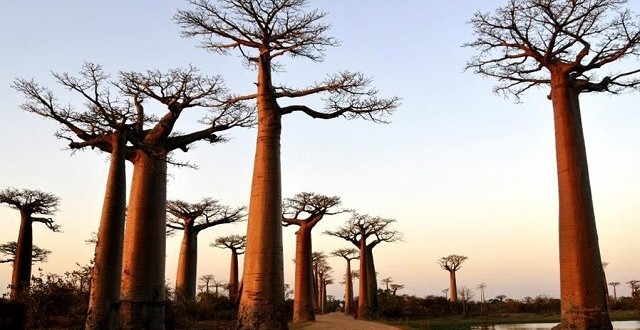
{"x":452,"y":262}
{"x":232,"y":242}
{"x":9,"y":251}
{"x":32,"y":202}
{"x":525,"y":42}
{"x":309,"y":208}
{"x":362,"y":226}
{"x":202,"y":215}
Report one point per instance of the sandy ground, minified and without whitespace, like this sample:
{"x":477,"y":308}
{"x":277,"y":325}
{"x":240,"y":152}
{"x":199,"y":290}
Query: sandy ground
{"x":338,"y":321}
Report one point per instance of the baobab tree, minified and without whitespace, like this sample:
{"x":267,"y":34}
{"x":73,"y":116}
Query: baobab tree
{"x":235,"y":243}
{"x":564,"y":45}
{"x":34,"y":206}
{"x":481,"y":287}
{"x":305,"y":210}
{"x":206,"y":281}
{"x":262,"y":33}
{"x":634,"y":285}
{"x":347,"y":254}
{"x":386,"y":281}
{"x":191,"y":219}
{"x":452,"y":263}
{"x":466,"y":295}
{"x":318,"y":260}
{"x":105,"y":125}
{"x":144,"y":263}
{"x":323,"y":273}
{"x":395,"y":287}
{"x":358,"y":229}
{"x":10,"y":249}
{"x":445,"y":291}
{"x":614,"y":285}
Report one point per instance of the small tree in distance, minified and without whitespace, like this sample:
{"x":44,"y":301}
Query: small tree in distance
{"x":565,"y":45}
{"x":305,"y":210}
{"x":29,"y":203}
{"x":452,"y":263}
{"x":347,"y":255}
{"x":263,"y":32}
{"x":236,"y":244}
{"x":191,"y":219}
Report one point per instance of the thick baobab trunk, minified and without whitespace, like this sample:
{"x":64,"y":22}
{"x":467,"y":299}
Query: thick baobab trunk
{"x":303,"y":287}
{"x":364,"y":309}
{"x":107,"y":263}
{"x":348,"y":290}
{"x":188,"y":263}
{"x":323,"y":294}
{"x":21,"y":276}
{"x":453,"y":286}
{"x":372,"y":283}
{"x":233,"y":276}
{"x":144,"y":245}
{"x":584,"y":301}
{"x":262,"y":297}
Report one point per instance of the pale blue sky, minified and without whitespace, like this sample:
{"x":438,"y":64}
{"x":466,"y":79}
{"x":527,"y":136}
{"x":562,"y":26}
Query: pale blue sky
{"x":463,"y":170}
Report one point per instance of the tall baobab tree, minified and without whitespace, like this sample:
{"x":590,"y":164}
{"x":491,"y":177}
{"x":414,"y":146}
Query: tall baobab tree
{"x":10,"y":249}
{"x":452,"y":263}
{"x":191,"y":219}
{"x":323,"y":273}
{"x":235,"y":243}
{"x":347,"y":254}
{"x":358,"y":230}
{"x":144,"y":263}
{"x":614,"y":285}
{"x":262,"y":33}
{"x":34,"y":206}
{"x":564,"y":45}
{"x":104,"y":124}
{"x":305,"y":210}
{"x":318,"y":260}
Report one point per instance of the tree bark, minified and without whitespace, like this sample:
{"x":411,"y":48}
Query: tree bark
{"x":303,"y":288}
{"x":348,"y":290}
{"x":315,"y":292}
{"x":233,"y":276}
{"x":262,"y":297}
{"x":21,"y":276}
{"x":372,"y":283}
{"x":107,"y":265}
{"x":453,"y":285}
{"x":582,"y":291}
{"x":188,"y":263}
{"x":144,"y":245}
{"x":363,"y":300}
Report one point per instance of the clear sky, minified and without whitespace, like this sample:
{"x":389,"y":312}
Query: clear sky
{"x":464,"y":171}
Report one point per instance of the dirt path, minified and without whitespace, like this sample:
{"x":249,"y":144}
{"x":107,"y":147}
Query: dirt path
{"x":338,"y":321}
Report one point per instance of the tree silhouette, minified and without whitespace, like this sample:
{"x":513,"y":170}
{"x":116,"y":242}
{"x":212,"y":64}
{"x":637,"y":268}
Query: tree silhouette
{"x":236,"y":244}
{"x":347,"y":255}
{"x":386,"y":281}
{"x":452,"y":263}
{"x":635,"y":286}
{"x":481,"y":287}
{"x":305,"y":210}
{"x":564,"y":44}
{"x":10,"y":249}
{"x":466,"y":295}
{"x":191,"y":219}
{"x":358,"y":229}
{"x":206,"y":281}
{"x":395,"y":287}
{"x":30,"y":204}
{"x":263,"y":32}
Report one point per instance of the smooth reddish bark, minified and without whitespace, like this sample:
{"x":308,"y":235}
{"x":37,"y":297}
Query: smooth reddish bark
{"x":303,"y":309}
{"x":188,"y":263}
{"x":106,"y":274}
{"x":233,"y":276}
{"x":584,"y":300}
{"x":143,"y":294}
{"x":21,"y":276}
{"x":262,"y":297}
